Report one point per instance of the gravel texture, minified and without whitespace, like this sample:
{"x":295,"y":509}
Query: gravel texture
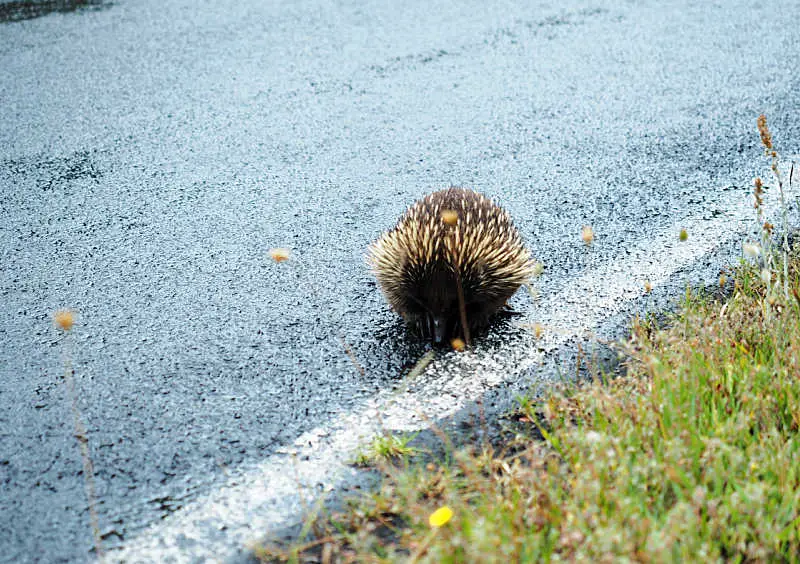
{"x":151,"y":153}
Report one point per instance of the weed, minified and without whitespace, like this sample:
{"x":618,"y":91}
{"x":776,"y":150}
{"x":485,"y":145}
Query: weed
{"x":388,"y":447}
{"x":64,"y":320}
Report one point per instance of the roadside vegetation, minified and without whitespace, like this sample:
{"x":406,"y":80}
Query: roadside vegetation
{"x":387,"y":447}
{"x":687,"y":452}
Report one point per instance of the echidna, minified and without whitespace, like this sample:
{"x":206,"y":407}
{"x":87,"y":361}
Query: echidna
{"x":450,"y":242}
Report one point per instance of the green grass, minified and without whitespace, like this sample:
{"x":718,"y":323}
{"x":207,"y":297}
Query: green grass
{"x":388,"y":448}
{"x":691,"y":454}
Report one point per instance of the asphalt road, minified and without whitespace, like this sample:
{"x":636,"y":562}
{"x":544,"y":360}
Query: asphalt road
{"x":151,"y":153}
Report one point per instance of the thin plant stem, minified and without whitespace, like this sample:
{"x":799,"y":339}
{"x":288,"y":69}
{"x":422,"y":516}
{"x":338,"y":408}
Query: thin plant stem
{"x":785,"y":227}
{"x":462,"y":308}
{"x":83,"y":442}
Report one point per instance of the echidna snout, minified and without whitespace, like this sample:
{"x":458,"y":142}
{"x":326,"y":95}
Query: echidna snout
{"x":451,"y":247}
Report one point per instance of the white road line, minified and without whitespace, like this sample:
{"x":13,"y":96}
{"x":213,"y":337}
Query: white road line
{"x":268,"y":496}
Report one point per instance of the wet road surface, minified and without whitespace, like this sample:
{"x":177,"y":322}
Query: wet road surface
{"x":152,"y":153}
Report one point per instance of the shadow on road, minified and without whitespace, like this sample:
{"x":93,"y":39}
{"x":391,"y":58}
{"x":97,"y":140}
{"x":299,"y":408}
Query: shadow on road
{"x":22,"y":10}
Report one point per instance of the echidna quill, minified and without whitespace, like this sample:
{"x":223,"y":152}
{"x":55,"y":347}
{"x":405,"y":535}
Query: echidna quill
{"x":451,"y":247}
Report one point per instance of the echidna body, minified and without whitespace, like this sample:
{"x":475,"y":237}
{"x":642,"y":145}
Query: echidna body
{"x":450,"y":238}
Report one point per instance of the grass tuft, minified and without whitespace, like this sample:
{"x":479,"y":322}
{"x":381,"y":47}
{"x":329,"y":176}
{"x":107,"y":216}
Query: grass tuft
{"x":388,"y":448}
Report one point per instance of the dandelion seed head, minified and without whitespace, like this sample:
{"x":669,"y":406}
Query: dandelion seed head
{"x":751,"y":249}
{"x":587,"y":234}
{"x":593,"y":437}
{"x":279,"y":254}
{"x":64,"y":319}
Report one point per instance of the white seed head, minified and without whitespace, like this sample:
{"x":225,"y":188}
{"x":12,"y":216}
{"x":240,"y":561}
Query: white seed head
{"x":751,"y":249}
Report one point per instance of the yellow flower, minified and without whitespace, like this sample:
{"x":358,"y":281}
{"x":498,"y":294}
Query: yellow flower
{"x":458,"y":344}
{"x":64,"y":319}
{"x":279,"y":255}
{"x":440,"y":517}
{"x":648,"y":286}
{"x":683,"y":235}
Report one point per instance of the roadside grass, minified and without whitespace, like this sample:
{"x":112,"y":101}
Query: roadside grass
{"x":387,"y":447}
{"x":691,"y":453}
